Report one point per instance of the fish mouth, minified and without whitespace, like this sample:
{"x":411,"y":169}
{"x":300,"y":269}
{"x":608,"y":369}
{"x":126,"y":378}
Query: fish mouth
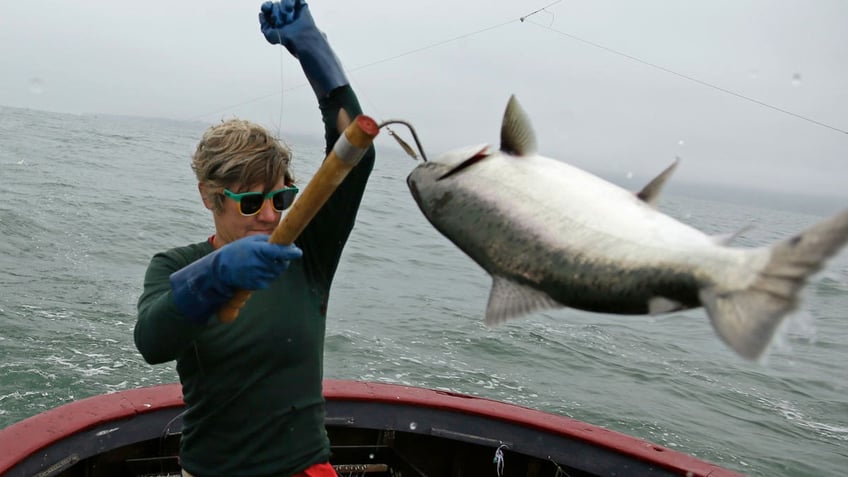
{"x":474,"y":159}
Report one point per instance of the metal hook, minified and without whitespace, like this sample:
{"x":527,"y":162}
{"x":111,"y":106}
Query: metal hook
{"x":403,"y":143}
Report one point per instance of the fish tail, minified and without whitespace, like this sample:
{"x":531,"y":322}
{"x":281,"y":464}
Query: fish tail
{"x":747,"y":319}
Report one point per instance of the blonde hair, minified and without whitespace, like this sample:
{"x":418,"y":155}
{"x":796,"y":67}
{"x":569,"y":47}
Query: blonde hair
{"x":239,"y":152}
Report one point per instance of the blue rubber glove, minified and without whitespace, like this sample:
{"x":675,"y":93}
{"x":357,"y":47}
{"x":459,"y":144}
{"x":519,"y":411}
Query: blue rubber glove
{"x":251,"y":263}
{"x":290,"y":24}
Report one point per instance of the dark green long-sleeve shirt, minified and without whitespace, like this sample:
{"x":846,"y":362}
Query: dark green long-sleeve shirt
{"x":253,"y":387}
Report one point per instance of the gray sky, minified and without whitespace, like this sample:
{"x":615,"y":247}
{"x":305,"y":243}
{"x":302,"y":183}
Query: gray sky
{"x":449,"y":68}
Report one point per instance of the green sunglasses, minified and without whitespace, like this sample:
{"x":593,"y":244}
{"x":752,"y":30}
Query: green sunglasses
{"x":250,"y":203}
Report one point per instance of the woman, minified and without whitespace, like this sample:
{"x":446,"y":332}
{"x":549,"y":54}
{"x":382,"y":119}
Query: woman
{"x":254,"y":403}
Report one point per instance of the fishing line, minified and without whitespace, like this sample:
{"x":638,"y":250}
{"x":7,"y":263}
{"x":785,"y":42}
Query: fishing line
{"x":282,"y":88}
{"x":525,"y":19}
{"x":434,"y":45}
{"x":362,"y":91}
{"x":366,"y":65}
{"x":686,"y":77}
{"x":543,"y":9}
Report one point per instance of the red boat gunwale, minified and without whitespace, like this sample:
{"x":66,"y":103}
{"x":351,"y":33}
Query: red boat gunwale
{"x":22,"y":439}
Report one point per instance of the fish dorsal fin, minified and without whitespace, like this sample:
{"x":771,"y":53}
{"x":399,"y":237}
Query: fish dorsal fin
{"x":651,"y":192}
{"x":509,"y":300}
{"x":517,"y":136}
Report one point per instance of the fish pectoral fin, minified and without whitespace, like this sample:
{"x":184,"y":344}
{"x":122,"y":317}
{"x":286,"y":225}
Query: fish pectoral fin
{"x":650,"y":193}
{"x":726,"y":239}
{"x":659,"y":305}
{"x":509,"y":300}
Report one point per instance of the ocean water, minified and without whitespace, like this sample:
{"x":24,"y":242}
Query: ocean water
{"x":86,"y":200}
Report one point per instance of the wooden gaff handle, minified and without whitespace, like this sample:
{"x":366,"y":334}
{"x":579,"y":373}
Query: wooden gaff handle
{"x":346,"y":153}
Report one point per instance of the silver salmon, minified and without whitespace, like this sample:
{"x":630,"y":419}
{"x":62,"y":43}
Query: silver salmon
{"x":552,"y":235}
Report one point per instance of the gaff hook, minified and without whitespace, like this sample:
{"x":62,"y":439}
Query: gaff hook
{"x":406,"y":147}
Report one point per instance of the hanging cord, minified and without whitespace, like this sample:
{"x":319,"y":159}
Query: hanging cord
{"x":559,"y":471}
{"x":499,"y":459}
{"x":166,"y":431}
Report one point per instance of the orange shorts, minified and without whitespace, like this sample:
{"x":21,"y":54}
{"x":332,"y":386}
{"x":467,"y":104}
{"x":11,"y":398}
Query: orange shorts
{"x":318,"y":470}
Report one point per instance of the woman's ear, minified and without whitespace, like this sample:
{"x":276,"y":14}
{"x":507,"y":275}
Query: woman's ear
{"x":205,"y":196}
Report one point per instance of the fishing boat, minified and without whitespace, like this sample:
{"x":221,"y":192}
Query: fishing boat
{"x":376,"y":429}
